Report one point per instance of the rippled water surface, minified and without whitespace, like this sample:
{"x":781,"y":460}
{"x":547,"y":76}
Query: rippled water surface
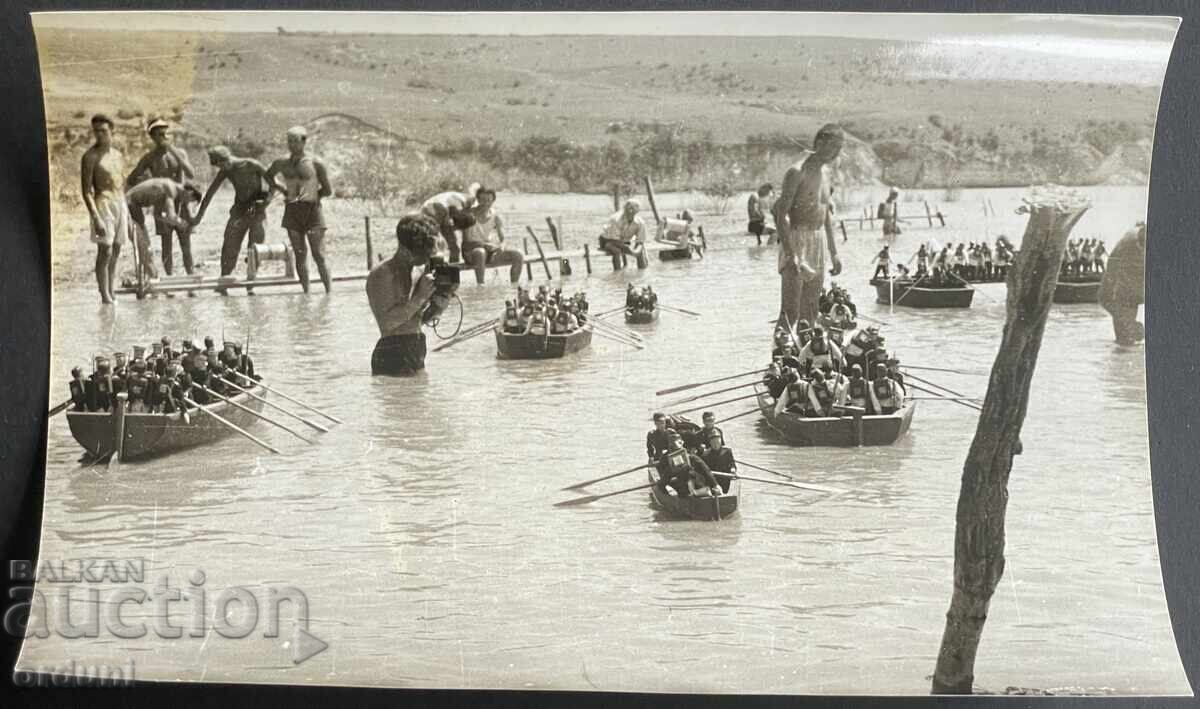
{"x":423,"y":534}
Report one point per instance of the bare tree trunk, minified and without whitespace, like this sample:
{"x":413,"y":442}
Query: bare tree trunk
{"x":983,"y":498}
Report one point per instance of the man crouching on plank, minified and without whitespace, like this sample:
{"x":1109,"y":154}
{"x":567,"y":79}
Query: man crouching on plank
{"x":802,"y":212}
{"x":397,"y":303}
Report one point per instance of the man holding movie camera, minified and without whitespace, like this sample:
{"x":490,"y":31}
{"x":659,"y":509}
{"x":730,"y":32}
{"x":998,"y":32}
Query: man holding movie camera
{"x":402,"y":303}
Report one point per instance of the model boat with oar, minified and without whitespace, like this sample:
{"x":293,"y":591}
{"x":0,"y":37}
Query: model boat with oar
{"x":698,"y":507}
{"x":144,"y":435}
{"x":537,"y":344}
{"x":922,"y":293}
{"x":836,"y":431}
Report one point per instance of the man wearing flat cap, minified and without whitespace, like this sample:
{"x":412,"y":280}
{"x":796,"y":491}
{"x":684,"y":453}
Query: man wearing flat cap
{"x":167,"y":161}
{"x":305,"y":183}
{"x":251,"y":194}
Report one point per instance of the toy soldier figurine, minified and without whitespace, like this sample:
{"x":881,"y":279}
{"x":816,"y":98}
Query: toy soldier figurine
{"x":100,"y":386}
{"x":79,"y":397}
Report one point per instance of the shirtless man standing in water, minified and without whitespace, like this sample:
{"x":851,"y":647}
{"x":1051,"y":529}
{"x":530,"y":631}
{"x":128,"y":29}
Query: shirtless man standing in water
{"x":102,"y":183}
{"x":802,"y":212}
{"x":251,"y":193}
{"x":305,"y":184}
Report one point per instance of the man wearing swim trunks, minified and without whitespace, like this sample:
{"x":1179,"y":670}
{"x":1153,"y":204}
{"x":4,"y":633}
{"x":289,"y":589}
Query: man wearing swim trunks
{"x":625,"y":233}
{"x":801,"y":214}
{"x":166,"y":160}
{"x":251,"y":194}
{"x":305,"y":183}
{"x":397,"y":304}
{"x":483,"y":241}
{"x":756,"y":210}
{"x":102,"y":173}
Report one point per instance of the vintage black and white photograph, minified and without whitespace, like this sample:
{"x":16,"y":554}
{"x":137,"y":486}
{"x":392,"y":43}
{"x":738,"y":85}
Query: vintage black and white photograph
{"x":689,"y":352}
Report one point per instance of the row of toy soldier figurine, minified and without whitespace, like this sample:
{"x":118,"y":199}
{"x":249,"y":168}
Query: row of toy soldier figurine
{"x":546,"y":313}
{"x":1084,"y":256}
{"x":163,"y":380}
{"x":808,"y":374}
{"x":640,"y":299}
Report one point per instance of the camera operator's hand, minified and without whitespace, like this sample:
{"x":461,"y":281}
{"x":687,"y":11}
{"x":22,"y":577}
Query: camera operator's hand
{"x":424,"y":289}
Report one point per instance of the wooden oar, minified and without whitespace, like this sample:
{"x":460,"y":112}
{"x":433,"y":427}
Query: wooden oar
{"x":619,"y":330}
{"x":614,"y":338}
{"x":937,"y":369}
{"x":585,"y":483}
{"x":910,"y":289}
{"x":957,"y":401}
{"x":229,"y":424}
{"x":685,"y":311}
{"x":710,"y":393}
{"x":607,"y":313}
{"x":910,"y":375}
{"x":735,"y":416}
{"x":249,"y":410}
{"x":471,"y":334}
{"x":972,"y":287}
{"x":592,"y":498}
{"x":297,"y":402}
{"x":277,"y":407}
{"x":685,"y":387}
{"x":765,"y":470}
{"x":59,"y":409}
{"x":717,"y":403}
{"x":785,"y":483}
{"x":942,"y":398}
{"x":868,"y":317}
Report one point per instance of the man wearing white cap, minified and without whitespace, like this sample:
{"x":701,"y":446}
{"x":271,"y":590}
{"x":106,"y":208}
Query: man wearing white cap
{"x":625,"y":232}
{"x":251,"y":194}
{"x":305,"y":182}
{"x":169,"y":161}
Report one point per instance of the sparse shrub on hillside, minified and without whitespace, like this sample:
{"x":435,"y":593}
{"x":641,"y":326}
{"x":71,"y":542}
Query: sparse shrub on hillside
{"x":418,"y":83}
{"x":80,"y":114}
{"x":514,"y":101}
{"x":127,"y":114}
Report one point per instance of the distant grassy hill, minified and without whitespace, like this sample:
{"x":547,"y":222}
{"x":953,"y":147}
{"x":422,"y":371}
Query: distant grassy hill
{"x":570,"y":112}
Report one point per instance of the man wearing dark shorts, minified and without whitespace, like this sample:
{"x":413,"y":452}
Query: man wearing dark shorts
{"x":397,"y":303}
{"x":757,"y":208}
{"x":251,"y":195}
{"x":306,"y":182}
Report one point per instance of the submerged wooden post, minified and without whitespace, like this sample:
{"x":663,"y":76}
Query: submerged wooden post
{"x":928,"y":215}
{"x":983,"y":497}
{"x":367,"y":231}
{"x":528,"y":266}
{"x":587,"y":258}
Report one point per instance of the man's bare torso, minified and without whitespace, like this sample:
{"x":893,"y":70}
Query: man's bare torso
{"x":810,"y":206}
{"x":246,"y":176}
{"x":108,"y":170}
{"x":299,"y":178}
{"x":156,"y":192}
{"x":163,"y":162}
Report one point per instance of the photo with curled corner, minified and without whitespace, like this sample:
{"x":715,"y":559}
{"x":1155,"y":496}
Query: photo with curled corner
{"x":661,"y":352}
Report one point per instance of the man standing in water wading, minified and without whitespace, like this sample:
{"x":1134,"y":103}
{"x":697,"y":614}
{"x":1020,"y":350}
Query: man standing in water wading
{"x":305,"y":184}
{"x":102,"y":177}
{"x":396,"y":304}
{"x":801,"y":214}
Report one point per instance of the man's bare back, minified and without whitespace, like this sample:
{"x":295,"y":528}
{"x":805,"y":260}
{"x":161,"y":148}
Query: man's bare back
{"x":806,"y":195}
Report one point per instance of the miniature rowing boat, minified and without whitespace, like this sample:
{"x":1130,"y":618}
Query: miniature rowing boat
{"x":1077,"y":291}
{"x":641,"y":317}
{"x":837,"y":431}
{"x":904,"y":292}
{"x":695,"y":507}
{"x":529,"y":346}
{"x":148,"y":435}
